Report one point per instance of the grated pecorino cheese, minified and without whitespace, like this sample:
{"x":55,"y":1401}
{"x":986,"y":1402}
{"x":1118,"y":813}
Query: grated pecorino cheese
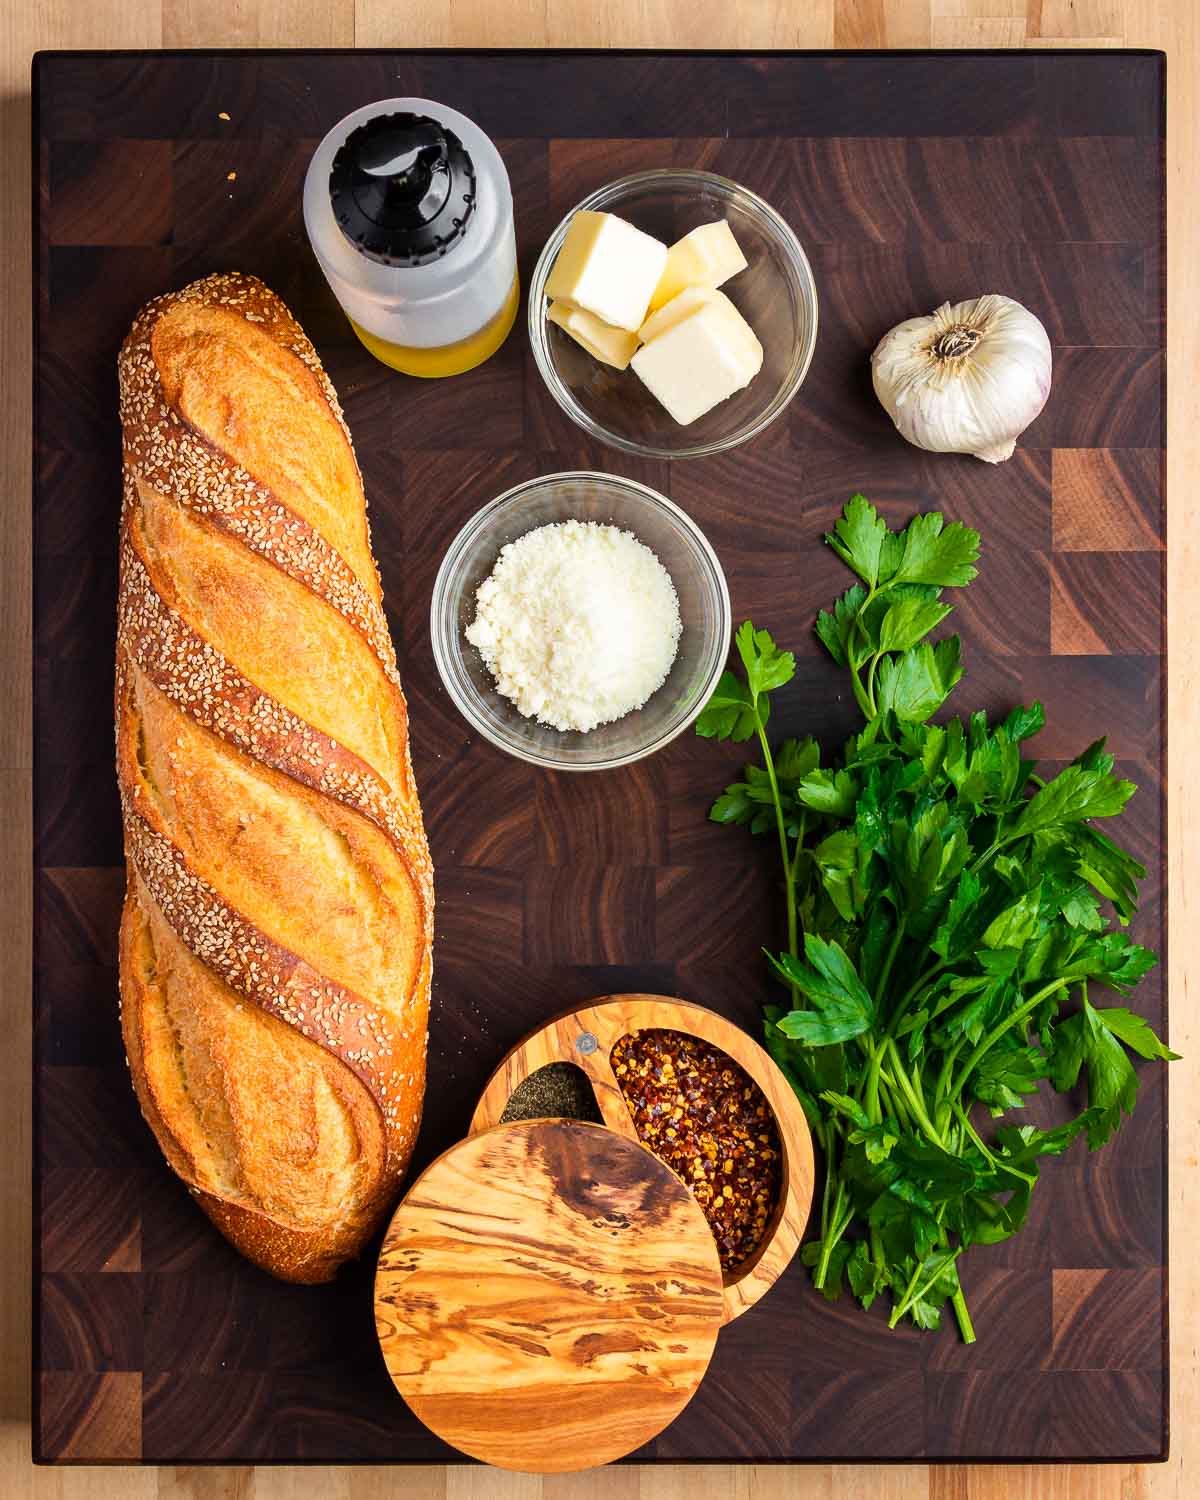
{"x":578,"y":623}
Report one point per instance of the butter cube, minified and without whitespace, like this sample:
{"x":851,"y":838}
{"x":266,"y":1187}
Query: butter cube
{"x":683,"y":306}
{"x":611,"y":346}
{"x":708,"y":256}
{"x":701,"y":360}
{"x":608,"y":268}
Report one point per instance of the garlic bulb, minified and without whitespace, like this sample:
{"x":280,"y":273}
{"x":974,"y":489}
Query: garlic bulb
{"x":967,"y":379}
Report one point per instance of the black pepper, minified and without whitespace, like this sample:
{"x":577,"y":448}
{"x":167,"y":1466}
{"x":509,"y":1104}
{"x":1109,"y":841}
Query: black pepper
{"x":557,"y":1091}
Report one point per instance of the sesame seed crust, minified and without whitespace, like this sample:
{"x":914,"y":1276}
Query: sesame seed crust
{"x":198,"y":679}
{"x":353,"y":1029}
{"x":165,"y":451}
{"x":383,"y":1047}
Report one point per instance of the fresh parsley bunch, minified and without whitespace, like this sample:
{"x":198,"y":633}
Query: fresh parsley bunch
{"x":944,"y":924}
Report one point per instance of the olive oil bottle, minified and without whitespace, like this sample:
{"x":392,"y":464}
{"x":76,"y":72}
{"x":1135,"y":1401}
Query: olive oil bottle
{"x":409,"y":211}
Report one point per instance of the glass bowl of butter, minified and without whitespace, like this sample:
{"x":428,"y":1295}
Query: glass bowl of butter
{"x":673,"y":314}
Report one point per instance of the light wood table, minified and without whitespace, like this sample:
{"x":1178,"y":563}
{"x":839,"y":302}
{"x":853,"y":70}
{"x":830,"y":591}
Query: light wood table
{"x":26,"y":25}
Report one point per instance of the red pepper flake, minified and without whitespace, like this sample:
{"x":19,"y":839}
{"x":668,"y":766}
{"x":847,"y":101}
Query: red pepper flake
{"x":699,"y":1112}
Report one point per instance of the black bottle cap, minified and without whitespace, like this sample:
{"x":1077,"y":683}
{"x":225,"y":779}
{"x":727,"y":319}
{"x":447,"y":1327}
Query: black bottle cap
{"x":402,"y":189}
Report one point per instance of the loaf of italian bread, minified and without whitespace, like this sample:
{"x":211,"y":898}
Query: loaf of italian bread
{"x":277,"y":930}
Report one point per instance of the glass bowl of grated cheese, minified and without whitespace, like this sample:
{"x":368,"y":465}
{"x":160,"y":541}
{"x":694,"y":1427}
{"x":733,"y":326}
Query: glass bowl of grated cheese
{"x":609,"y":502}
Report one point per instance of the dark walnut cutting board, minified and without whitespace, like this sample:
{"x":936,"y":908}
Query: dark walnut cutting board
{"x":910,"y":179}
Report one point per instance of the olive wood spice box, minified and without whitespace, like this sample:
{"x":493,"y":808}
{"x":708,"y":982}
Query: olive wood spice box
{"x":587,"y":1038}
{"x":549,"y":1292}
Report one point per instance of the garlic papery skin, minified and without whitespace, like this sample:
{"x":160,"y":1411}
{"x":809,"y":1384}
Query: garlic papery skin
{"x":969,"y":378}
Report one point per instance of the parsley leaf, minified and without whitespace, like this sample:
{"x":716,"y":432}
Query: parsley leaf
{"x":828,"y":792}
{"x":1023,"y":723}
{"x":1073,"y":795}
{"x":858,"y":538}
{"x":842,"y":1006}
{"x":1134,"y":1030}
{"x":1014,"y":927}
{"x":766,"y":666}
{"x":1083,"y":1041}
{"x":1110,"y":871}
{"x":737,"y":709}
{"x":909,"y":621}
{"x":915,"y":685}
{"x":834,"y":629}
{"x":953,"y":931}
{"x":934,"y":553}
{"x":796,"y":759}
{"x":729,"y":713}
{"x":1080,"y":908}
{"x":866,"y":1278}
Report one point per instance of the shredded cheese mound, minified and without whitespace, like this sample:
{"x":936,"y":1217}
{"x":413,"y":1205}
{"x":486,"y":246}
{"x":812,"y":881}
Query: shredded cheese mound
{"x":578,"y":623}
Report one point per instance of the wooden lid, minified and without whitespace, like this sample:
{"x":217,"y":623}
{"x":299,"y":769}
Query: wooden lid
{"x":586,"y":1036}
{"x":548,"y":1296}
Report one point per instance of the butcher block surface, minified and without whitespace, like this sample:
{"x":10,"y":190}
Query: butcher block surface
{"x":910,"y":179}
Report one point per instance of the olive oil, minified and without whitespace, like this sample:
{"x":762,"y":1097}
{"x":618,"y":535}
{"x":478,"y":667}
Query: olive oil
{"x":449,"y":359}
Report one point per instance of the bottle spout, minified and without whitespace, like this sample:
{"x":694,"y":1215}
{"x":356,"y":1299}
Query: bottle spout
{"x":402,"y":188}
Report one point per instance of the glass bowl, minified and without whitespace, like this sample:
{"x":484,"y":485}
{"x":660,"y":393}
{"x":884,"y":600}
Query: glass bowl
{"x":776,"y":295}
{"x":703,"y":607}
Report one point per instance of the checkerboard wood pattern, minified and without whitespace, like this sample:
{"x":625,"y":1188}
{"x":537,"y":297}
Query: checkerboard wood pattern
{"x":910,"y":179}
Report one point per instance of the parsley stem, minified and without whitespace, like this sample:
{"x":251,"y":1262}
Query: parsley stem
{"x":871,"y":677}
{"x":965,"y":1326}
{"x":965,"y":1120}
{"x":826,"y":1138}
{"x":866,"y":704}
{"x":1021,"y":1014}
{"x":915,"y":991}
{"x":801,"y":830}
{"x":915,"y":1103}
{"x":789,"y":870}
{"x":841,"y":1222}
{"x":913,"y":1293}
{"x":893,"y":1100}
{"x":868,"y":1089}
{"x":993,"y":849}
{"x":990,"y":1156}
{"x":905,"y":1302}
{"x":943,"y":1084}
{"x":864,"y":697}
{"x":871,"y":1100}
{"x":885,"y":972}
{"x":871,"y":1094}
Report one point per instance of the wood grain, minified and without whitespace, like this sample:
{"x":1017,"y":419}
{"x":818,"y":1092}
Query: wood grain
{"x":547,"y":893}
{"x":1171,"y":24}
{"x":586,"y":1036}
{"x":548,"y":1296}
